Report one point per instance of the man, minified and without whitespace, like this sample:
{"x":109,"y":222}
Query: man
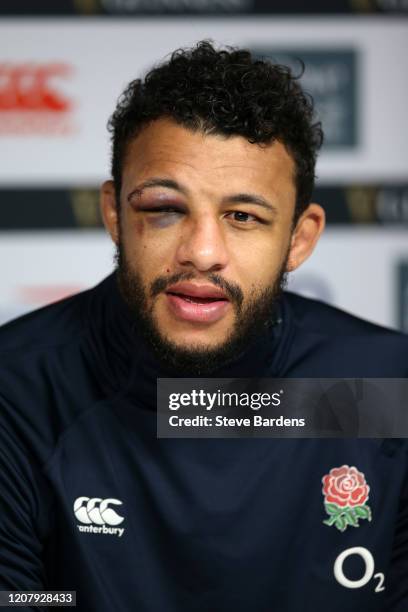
{"x":209,"y":207}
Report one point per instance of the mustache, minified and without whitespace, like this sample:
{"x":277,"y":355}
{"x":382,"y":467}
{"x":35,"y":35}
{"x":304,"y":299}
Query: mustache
{"x":233,"y":291}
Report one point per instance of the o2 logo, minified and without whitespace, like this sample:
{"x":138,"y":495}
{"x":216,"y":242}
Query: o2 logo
{"x":368,"y":560}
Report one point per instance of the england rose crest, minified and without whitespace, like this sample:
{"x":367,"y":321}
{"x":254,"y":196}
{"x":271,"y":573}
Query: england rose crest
{"x":345,"y":495}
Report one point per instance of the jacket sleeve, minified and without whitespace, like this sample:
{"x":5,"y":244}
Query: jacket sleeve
{"x":23,"y":516}
{"x":397,"y":579}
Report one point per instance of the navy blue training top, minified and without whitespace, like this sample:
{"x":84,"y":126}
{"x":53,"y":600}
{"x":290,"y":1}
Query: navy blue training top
{"x":92,"y":501}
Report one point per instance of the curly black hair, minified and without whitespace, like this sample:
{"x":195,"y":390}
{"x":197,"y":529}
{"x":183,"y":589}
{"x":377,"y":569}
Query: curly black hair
{"x":227,"y":91}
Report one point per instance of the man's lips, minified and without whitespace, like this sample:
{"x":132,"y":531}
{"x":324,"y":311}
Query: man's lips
{"x":197,"y":291}
{"x":197,"y":303}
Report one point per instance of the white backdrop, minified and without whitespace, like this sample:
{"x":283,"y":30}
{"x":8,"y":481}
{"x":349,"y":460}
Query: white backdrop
{"x":100,"y":56}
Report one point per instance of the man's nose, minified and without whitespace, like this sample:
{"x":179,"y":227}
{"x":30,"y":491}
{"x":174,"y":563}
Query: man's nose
{"x":203,"y":245}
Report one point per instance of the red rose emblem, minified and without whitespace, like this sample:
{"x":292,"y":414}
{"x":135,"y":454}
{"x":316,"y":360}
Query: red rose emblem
{"x":345,"y":486}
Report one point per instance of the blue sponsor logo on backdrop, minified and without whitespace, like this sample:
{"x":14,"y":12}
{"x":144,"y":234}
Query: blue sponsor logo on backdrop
{"x":330,"y":77}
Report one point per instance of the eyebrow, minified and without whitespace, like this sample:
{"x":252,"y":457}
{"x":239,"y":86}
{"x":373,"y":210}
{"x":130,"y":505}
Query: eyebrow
{"x":238,"y":198}
{"x":251,"y":198}
{"x":157,"y":182}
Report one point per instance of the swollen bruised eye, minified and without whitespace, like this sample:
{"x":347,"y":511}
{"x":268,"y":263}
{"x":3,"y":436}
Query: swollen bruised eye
{"x":140,"y":200}
{"x":163,"y":219}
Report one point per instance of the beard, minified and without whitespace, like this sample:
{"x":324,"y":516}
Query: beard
{"x":251,"y":319}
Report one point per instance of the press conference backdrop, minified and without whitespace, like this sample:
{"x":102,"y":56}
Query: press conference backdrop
{"x":63,"y":67}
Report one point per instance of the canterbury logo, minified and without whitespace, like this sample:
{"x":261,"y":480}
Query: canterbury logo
{"x":97,"y":511}
{"x":30,"y":87}
{"x":34,"y":99}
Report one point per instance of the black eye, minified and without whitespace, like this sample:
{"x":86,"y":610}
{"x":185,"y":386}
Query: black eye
{"x":161,"y":210}
{"x":168,"y":210}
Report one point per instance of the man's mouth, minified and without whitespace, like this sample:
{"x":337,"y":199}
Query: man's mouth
{"x":197,"y":303}
{"x":196,"y":300}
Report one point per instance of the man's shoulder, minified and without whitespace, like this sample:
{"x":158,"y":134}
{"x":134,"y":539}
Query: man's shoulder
{"x":323,"y":318}
{"x":46,"y":380}
{"x":335,"y":343}
{"x":47,"y":327}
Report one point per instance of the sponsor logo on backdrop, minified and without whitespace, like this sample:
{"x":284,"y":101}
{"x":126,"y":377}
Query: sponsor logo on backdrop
{"x":87,"y":7}
{"x":33,"y":100}
{"x":330,"y":77}
{"x":392,"y":204}
{"x":375,"y":6}
{"x":393,"y":5}
{"x":162,"y":6}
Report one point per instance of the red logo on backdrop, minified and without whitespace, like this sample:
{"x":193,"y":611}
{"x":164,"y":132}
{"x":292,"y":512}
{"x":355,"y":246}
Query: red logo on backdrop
{"x":32,"y":100}
{"x":47,"y":294}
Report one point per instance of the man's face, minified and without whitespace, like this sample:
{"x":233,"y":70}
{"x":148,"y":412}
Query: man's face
{"x":203,"y":235}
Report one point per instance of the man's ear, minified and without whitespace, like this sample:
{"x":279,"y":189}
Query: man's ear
{"x":109,"y":210}
{"x":305,"y":236}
